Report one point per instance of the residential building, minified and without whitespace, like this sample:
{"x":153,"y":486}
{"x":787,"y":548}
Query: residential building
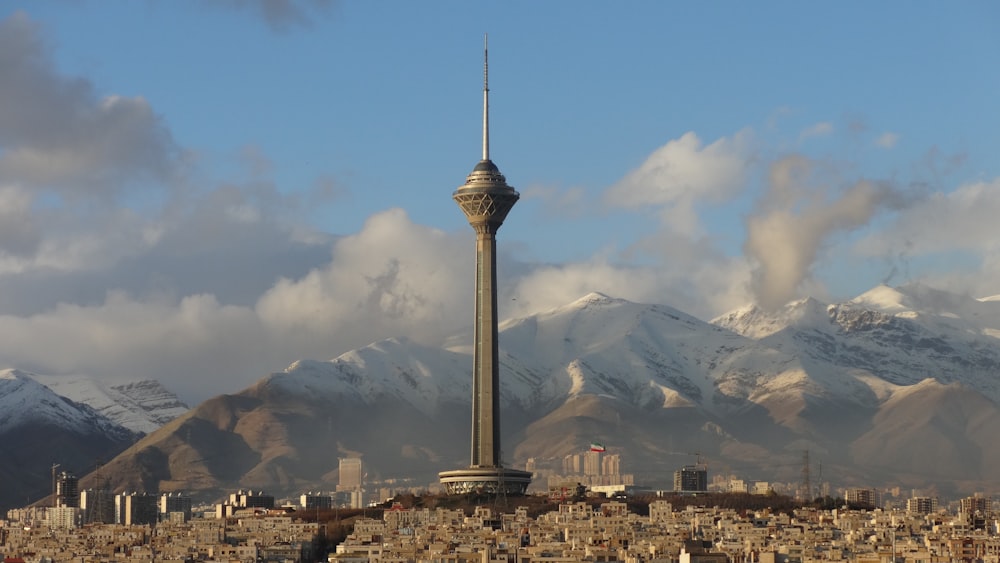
{"x":691,"y":479}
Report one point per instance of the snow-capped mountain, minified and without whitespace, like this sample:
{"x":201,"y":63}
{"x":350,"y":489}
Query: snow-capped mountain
{"x":24,"y":402}
{"x":900,"y":336}
{"x":646,"y":355}
{"x":39,"y":427}
{"x":140,"y":406}
{"x":856,"y":383}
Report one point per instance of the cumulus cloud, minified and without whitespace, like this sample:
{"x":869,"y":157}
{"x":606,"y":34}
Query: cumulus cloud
{"x":392,"y":278}
{"x":167,"y":292}
{"x":683,"y":173}
{"x":796,"y":217}
{"x":57,"y":134}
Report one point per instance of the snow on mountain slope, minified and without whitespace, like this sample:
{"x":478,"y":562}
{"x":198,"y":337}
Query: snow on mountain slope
{"x":140,"y":406}
{"x":644,"y":354}
{"x":24,"y":402}
{"x":397,"y":368}
{"x":901,"y":335}
{"x":650,"y":356}
{"x":935,"y":309}
{"x":810,"y":358}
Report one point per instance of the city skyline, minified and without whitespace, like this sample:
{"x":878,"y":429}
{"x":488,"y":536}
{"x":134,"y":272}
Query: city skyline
{"x":225,"y":188}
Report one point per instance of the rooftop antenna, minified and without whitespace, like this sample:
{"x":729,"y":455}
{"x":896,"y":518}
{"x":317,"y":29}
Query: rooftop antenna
{"x":486,"y":98}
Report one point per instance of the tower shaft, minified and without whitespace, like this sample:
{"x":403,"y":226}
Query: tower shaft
{"x":486,"y":362}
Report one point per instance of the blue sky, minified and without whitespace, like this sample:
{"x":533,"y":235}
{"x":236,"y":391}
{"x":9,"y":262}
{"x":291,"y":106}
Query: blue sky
{"x":241,"y":183}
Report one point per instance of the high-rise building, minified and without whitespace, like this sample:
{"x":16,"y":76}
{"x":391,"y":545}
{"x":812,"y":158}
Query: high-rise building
{"x":571,"y":464}
{"x":977,"y":503}
{"x":135,"y":509}
{"x":611,"y":464}
{"x":868,"y":498}
{"x":175,"y":503}
{"x":67,"y":490}
{"x":98,"y":506}
{"x":691,"y":479}
{"x":357,"y":498}
{"x":351,"y":475}
{"x":591,"y":463}
{"x":485,"y":198}
{"x":251,"y":499}
{"x":315,"y":500}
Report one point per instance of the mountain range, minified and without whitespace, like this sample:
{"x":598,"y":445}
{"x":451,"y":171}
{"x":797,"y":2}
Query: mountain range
{"x":897,"y":386}
{"x":75,"y":422}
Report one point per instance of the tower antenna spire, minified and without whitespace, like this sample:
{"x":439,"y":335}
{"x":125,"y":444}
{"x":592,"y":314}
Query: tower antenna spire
{"x":486,"y":98}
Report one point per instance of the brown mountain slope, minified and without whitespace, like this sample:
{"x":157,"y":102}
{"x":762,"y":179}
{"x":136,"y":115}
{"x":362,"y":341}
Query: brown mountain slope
{"x":273,"y":443}
{"x":934,"y":431}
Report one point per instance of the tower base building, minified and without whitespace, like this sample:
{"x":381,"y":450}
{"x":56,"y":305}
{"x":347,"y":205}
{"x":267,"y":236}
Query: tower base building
{"x":486,"y":480}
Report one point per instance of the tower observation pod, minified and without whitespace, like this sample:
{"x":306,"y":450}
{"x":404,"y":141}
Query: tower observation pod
{"x":486,"y":199}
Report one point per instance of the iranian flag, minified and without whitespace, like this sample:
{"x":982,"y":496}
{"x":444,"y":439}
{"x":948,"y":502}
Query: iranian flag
{"x":595,"y":447}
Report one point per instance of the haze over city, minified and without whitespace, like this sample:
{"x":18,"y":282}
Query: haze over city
{"x":204,"y":192}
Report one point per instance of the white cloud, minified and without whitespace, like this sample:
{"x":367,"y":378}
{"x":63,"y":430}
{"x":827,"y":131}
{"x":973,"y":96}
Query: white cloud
{"x":682,"y":173}
{"x":58,"y":135}
{"x":945,"y":240}
{"x":961,"y":220}
{"x":686,"y":274}
{"x":392,"y":278}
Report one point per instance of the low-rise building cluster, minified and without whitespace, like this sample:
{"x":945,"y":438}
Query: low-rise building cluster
{"x":252,"y":539}
{"x":611,"y":532}
{"x":600,"y":532}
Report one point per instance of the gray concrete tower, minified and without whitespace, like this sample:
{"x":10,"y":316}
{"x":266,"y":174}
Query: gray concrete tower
{"x":485,"y":198}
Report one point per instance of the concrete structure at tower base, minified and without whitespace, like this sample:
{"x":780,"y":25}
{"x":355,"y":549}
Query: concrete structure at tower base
{"x":485,"y":480}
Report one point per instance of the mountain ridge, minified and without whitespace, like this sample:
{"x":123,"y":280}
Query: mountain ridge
{"x":648,"y":380}
{"x":141,"y":406}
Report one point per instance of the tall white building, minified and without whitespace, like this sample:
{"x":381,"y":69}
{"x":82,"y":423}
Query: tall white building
{"x":351,"y":474}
